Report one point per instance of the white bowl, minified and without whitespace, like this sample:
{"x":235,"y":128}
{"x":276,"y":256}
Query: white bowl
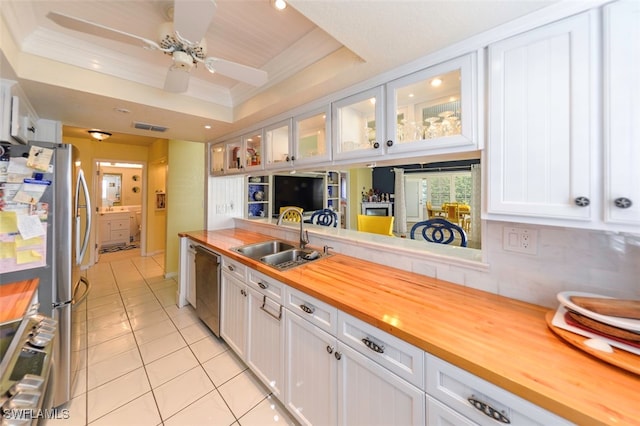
{"x":565,"y":299}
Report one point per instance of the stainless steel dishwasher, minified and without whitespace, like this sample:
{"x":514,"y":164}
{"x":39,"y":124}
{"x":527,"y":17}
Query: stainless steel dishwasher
{"x":208,"y":288}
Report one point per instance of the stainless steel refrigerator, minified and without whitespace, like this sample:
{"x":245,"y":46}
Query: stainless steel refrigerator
{"x":62,"y":204}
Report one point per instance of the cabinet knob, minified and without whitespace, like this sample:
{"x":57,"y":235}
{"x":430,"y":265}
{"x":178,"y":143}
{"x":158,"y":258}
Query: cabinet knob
{"x":622,"y":202}
{"x":376,"y":145}
{"x":32,"y":129}
{"x":338,"y":355}
{"x":288,"y":158}
{"x":293,"y":158}
{"x":329,"y":349}
{"x":389,"y":142}
{"x":582,"y":201}
{"x":231,"y":268}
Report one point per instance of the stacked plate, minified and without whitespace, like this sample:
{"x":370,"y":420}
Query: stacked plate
{"x":618,"y":331}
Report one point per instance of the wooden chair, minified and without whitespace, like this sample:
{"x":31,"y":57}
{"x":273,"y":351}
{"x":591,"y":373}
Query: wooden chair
{"x":439,"y":231}
{"x":453,"y":213}
{"x":291,"y":216}
{"x":382,"y":225}
{"x":324,"y":217}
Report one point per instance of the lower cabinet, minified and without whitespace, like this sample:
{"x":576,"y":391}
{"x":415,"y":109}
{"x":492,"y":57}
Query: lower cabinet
{"x":311,"y":378}
{"x":233,"y":313}
{"x":265,"y":350}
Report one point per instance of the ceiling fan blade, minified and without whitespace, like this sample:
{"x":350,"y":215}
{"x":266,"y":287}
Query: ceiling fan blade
{"x":92,"y":28}
{"x":177,"y":80}
{"x":244,"y":73}
{"x":192,"y":18}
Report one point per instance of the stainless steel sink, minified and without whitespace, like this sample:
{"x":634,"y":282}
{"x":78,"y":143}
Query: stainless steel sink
{"x":258,"y":250}
{"x":290,"y":258}
{"x":278,"y":254}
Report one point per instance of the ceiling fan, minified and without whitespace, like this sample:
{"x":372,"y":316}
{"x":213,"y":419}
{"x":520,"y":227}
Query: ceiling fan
{"x":182,"y":39}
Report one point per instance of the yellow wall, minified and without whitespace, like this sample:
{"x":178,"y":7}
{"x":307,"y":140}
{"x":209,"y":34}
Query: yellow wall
{"x":358,"y":179}
{"x":185,"y":195}
{"x":157,"y":178}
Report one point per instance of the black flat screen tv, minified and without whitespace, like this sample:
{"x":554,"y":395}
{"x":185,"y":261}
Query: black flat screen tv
{"x":300,"y":191}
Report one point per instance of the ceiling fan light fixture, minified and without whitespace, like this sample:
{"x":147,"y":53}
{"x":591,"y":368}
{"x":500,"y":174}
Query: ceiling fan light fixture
{"x":182,"y":60}
{"x":99,"y":135}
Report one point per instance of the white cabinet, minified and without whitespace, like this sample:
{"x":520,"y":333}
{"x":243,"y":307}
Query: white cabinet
{"x":621,"y":78}
{"x":266,"y":349}
{"x":369,"y":394}
{"x":233,"y":312}
{"x":358,"y":125}
{"x":190,"y":273}
{"x":481,"y":401}
{"x":278,"y":145}
{"x":439,"y":414}
{"x":114,"y":228}
{"x":543,"y":128}
{"x":49,"y":131}
{"x":434,"y":110}
{"x":311,"y":378}
{"x":312,"y":137}
{"x":17,"y":118}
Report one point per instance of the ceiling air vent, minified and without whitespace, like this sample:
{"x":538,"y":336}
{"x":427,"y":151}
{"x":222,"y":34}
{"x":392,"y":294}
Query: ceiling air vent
{"x":151,"y":127}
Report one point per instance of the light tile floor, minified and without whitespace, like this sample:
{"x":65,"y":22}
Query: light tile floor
{"x":147,"y":362}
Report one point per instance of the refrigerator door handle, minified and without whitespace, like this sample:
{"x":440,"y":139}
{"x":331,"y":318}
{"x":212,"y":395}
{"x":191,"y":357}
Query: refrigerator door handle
{"x":79,"y":300}
{"x":81,"y":250}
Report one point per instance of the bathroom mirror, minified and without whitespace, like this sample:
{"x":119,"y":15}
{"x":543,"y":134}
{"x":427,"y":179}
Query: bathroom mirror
{"x":111,"y":189}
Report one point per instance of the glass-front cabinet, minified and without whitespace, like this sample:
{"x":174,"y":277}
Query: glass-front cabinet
{"x":277,"y":145}
{"x":253,"y":146}
{"x":216,"y":159}
{"x":312,"y":137}
{"x":434,"y":108}
{"x":358,"y":125}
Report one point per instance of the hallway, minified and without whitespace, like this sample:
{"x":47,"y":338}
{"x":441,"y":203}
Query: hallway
{"x":146,"y":362}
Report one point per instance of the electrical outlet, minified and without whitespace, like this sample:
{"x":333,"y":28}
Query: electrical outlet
{"x":520,"y":240}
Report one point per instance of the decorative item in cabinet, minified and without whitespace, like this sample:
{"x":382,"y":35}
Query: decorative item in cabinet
{"x":258,"y":196}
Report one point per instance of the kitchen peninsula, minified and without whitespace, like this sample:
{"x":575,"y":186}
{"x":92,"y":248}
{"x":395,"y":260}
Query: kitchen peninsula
{"x":503,"y":341}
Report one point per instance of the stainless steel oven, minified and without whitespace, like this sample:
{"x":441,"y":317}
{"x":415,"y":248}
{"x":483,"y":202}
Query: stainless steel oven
{"x":27,"y":371}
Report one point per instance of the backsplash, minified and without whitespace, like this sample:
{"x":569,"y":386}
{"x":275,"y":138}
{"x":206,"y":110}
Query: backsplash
{"x":567,"y":259}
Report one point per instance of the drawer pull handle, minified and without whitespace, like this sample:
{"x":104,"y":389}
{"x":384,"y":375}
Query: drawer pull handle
{"x":231,"y":268}
{"x":489,"y":411}
{"x":263,"y":285}
{"x":307,"y":309}
{"x":373,"y":346}
{"x":622,"y":202}
{"x":264,"y":303}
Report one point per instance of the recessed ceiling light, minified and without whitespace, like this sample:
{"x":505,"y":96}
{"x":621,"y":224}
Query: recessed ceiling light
{"x":122,"y":110}
{"x":207,"y":126}
{"x":280,"y":4}
{"x":436,"y":82}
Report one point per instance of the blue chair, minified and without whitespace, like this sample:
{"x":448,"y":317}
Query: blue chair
{"x":324,"y":217}
{"x":439,"y":231}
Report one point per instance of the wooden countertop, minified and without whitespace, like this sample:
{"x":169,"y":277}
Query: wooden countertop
{"x":504,"y":341}
{"x":15,"y":299}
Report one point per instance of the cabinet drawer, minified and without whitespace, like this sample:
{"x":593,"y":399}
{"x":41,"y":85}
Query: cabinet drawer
{"x":234,"y":268}
{"x":268,"y":286}
{"x":402,"y":358}
{"x":119,"y":224}
{"x":121,"y":235}
{"x":454,"y":387}
{"x":317,"y":312}
{"x":439,"y":414}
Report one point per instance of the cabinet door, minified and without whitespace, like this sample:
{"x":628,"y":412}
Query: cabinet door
{"x":311,"y":376}
{"x":277,"y":145}
{"x":265,"y":354}
{"x":358,"y":125}
{"x":542,"y":126}
{"x":369,"y":394}
{"x":234,"y":314}
{"x":216,"y":159}
{"x":253,"y":146}
{"x":312,"y":137}
{"x":191,"y":274}
{"x":434,"y":110}
{"x":621,"y":112}
{"x":234,"y":156}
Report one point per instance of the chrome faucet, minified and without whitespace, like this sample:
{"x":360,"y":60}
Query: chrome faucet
{"x":304,"y":235}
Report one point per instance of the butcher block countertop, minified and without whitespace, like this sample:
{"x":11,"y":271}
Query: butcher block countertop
{"x":15,"y":299}
{"x":504,"y":341}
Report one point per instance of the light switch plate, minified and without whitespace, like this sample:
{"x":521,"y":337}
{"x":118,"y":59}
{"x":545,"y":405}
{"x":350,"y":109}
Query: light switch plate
{"x":520,"y":240}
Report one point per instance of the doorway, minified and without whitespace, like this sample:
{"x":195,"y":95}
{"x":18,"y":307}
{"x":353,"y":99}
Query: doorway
{"x":414,"y":198}
{"x":119,"y":217}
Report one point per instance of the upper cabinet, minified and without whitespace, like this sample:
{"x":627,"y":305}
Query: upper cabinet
{"x":17,"y":118}
{"x":358,"y":125}
{"x":543,"y":122}
{"x":253,"y":149}
{"x":434,"y":110}
{"x":312,"y":137}
{"x":278,"y":145}
{"x":621,"y":78}
{"x":238,"y":155}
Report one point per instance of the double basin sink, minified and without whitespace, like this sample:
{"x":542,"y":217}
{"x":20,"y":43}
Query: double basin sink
{"x":278,"y":254}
